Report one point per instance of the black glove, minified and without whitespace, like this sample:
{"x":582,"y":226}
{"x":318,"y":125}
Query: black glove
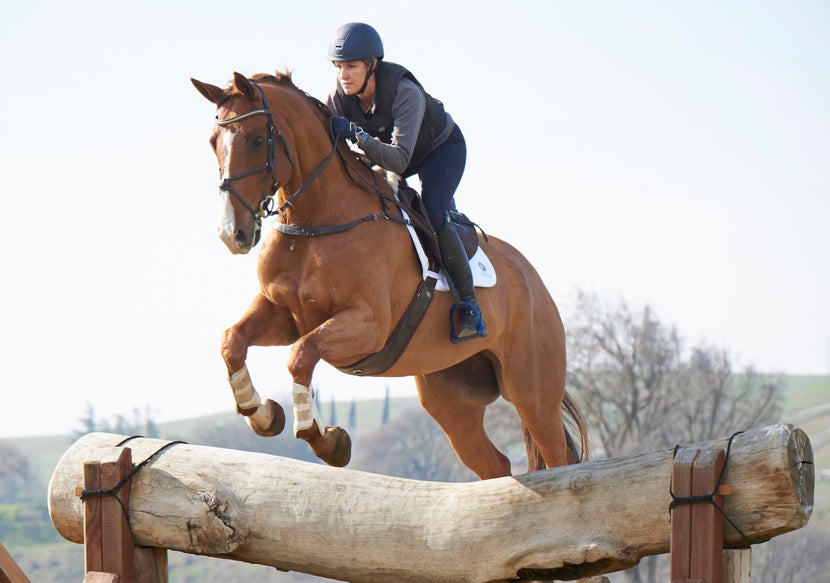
{"x":340,"y":126}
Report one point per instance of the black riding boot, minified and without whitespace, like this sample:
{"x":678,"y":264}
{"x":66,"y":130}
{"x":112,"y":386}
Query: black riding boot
{"x":457,"y":269}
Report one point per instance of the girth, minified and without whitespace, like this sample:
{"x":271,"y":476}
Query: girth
{"x":400,"y":337}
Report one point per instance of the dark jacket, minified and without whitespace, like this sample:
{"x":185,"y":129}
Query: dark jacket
{"x":381,"y":122}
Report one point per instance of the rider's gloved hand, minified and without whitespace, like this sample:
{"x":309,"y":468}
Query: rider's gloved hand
{"x":340,"y":126}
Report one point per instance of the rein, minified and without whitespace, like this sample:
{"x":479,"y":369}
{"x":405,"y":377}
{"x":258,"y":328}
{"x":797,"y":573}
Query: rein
{"x":321,"y":230}
{"x":266,"y":205}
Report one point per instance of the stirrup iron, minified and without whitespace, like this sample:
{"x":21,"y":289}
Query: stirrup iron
{"x":481,"y":330}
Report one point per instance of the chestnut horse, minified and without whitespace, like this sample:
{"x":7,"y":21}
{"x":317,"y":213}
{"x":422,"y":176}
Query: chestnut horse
{"x":334,"y":283}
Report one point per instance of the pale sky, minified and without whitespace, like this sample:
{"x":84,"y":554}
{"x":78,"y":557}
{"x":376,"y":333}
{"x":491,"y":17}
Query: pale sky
{"x":671,"y":154}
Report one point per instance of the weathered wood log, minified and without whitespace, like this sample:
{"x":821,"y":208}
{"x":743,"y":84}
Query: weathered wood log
{"x":563,"y":523}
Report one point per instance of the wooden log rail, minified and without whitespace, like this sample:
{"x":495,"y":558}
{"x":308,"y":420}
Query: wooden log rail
{"x":564,"y":523}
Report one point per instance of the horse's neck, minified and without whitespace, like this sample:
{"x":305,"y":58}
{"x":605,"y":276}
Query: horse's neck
{"x":333,"y":196}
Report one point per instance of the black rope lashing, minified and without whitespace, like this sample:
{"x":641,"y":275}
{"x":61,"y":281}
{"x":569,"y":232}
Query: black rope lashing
{"x":710,"y":498}
{"x":98,"y":492}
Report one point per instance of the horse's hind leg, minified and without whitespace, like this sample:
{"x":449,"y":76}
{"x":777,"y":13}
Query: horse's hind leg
{"x":547,"y":434}
{"x":534,"y":382}
{"x":456,"y":398}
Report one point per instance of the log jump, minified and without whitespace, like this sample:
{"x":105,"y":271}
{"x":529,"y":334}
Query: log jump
{"x":563,"y":523}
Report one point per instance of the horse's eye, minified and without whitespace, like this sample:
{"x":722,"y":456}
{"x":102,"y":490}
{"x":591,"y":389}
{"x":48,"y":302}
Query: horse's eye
{"x":257,"y":142}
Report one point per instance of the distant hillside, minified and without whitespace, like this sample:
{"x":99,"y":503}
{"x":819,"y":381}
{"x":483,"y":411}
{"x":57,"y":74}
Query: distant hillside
{"x":807,"y":405}
{"x":44,"y":452}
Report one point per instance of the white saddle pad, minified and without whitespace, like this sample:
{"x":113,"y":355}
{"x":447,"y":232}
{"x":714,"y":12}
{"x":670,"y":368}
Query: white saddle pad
{"x":484,"y":275}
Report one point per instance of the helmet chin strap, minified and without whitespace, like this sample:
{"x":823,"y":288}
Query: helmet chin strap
{"x":369,"y":74}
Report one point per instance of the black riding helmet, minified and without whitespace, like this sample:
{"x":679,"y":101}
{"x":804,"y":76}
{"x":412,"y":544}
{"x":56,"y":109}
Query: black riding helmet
{"x":356,"y":41}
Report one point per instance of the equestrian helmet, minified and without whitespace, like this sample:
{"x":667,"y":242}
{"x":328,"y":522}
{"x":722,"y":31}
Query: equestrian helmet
{"x":355,"y":41}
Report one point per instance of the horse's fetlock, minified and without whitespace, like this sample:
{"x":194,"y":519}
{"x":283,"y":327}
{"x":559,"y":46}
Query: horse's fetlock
{"x":267,"y":420}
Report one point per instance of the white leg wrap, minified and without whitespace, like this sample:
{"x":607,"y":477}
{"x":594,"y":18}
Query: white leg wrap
{"x":244,"y":392}
{"x":305,"y":409}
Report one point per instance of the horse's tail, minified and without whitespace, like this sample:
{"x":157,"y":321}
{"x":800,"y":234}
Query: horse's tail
{"x":534,"y":456}
{"x":578,"y":424}
{"x":578,"y":449}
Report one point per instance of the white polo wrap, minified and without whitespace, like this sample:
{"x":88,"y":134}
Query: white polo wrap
{"x":244,"y":392}
{"x":305,"y":409}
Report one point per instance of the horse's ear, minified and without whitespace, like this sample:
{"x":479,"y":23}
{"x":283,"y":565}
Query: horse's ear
{"x":211,"y":92}
{"x":243,"y":85}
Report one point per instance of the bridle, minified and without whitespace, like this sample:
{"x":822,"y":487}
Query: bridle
{"x":265,"y":208}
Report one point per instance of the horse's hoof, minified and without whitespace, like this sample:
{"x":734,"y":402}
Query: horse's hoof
{"x":342,"y":452}
{"x":268,"y":420}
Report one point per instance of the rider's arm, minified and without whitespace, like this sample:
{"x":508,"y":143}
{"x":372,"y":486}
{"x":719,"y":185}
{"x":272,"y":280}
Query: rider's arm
{"x":408,"y":113}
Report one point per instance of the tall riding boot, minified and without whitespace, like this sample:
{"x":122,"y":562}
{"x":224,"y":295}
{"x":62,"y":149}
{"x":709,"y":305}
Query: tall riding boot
{"x":457,"y":268}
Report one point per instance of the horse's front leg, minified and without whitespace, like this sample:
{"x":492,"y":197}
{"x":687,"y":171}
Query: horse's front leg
{"x":336,"y":341}
{"x":264,"y":324}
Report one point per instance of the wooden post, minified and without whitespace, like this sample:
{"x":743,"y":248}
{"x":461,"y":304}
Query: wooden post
{"x":697,"y":525}
{"x":110,"y":552}
{"x":10,"y":571}
{"x":737,"y":565}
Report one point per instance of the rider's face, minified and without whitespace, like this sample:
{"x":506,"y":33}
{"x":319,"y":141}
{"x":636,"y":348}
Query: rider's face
{"x":351,"y":75}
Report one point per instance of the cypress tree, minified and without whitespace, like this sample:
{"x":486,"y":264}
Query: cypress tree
{"x":386,"y":405}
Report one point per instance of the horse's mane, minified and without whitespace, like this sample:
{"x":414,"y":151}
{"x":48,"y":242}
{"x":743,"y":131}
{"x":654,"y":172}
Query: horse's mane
{"x":283,"y":78}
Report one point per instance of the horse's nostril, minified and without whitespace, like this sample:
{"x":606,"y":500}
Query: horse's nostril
{"x":241,"y":238}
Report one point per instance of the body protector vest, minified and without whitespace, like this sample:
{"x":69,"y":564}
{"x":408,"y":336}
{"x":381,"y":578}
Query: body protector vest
{"x":379,"y":124}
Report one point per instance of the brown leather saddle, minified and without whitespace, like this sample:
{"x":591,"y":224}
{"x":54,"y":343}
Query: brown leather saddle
{"x":413,"y":205}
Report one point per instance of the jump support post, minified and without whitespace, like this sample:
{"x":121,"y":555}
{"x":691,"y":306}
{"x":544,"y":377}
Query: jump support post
{"x":564,"y":524}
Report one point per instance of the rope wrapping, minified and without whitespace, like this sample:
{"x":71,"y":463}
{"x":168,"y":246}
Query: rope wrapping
{"x":136,"y":468}
{"x":710,"y":498}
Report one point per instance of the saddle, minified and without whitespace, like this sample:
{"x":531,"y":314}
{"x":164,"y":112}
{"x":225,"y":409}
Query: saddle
{"x":411,"y":202}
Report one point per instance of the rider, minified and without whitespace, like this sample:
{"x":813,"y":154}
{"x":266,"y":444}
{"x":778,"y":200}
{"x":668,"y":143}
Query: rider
{"x":401,"y":128}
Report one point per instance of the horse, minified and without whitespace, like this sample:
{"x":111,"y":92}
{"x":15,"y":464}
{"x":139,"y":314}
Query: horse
{"x":337,"y":274}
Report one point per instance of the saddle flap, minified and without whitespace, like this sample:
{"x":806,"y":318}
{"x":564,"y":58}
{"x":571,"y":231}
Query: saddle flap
{"x":414,"y":205}
{"x":467,"y":231}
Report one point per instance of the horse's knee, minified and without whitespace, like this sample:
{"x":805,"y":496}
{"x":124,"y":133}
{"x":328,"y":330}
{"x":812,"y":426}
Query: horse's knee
{"x":234,"y":349}
{"x":303,"y":358}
